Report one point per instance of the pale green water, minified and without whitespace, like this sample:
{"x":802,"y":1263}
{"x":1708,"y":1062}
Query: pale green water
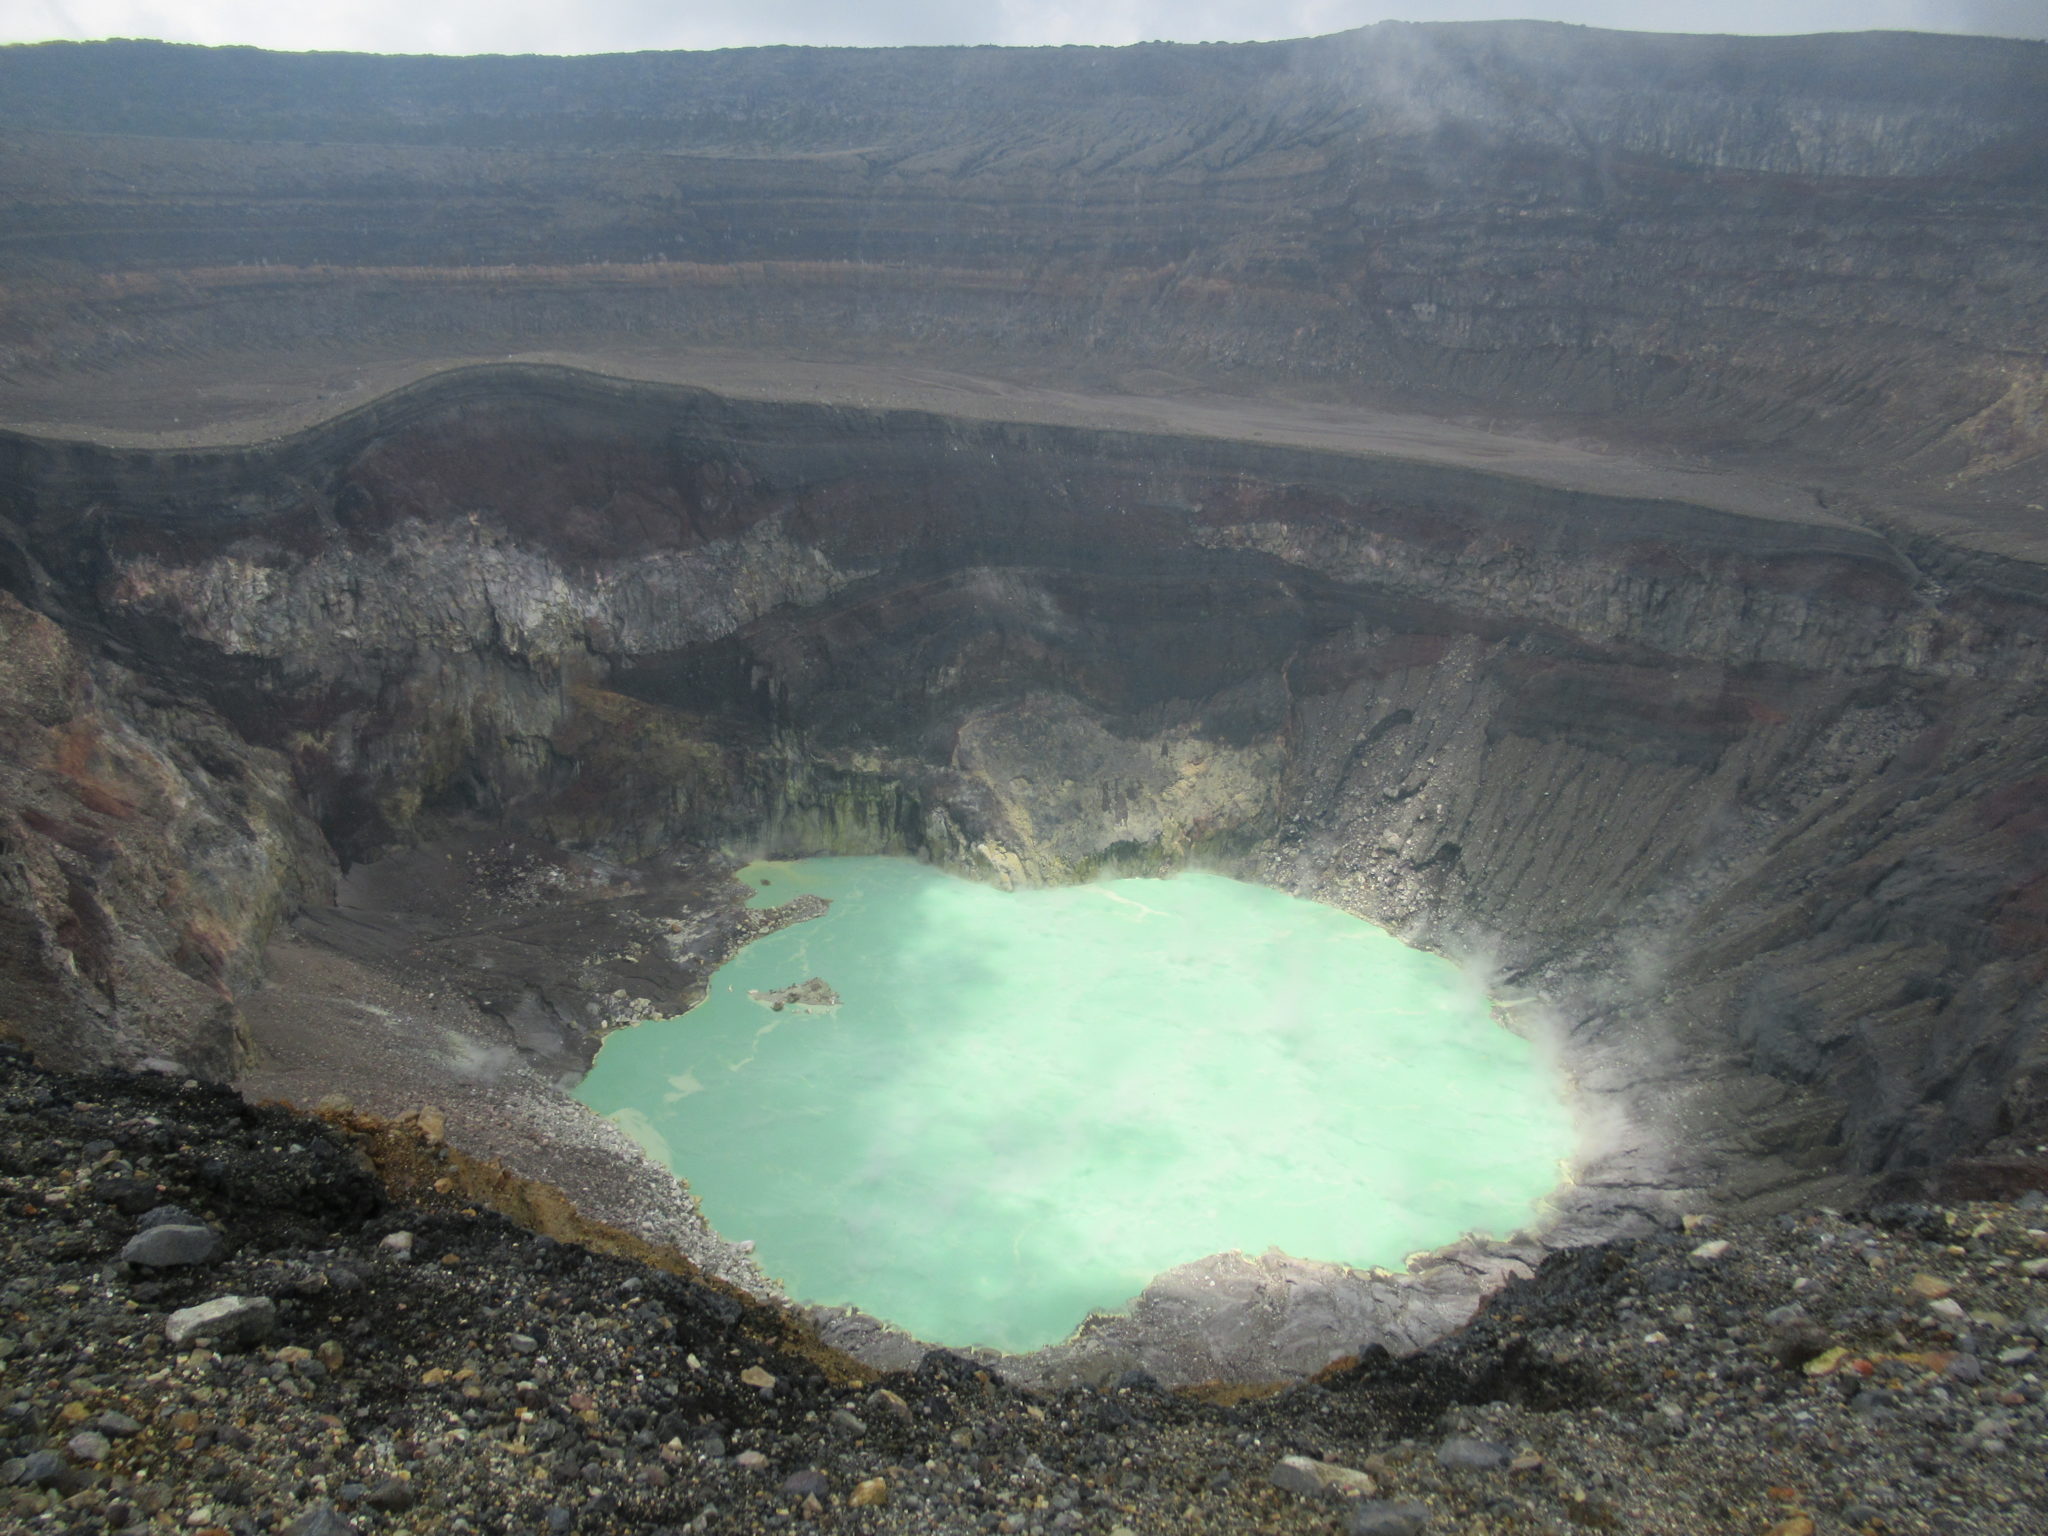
{"x":1027,"y":1105}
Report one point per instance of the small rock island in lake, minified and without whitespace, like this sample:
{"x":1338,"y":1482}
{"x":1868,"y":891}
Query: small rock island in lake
{"x":815,"y":994}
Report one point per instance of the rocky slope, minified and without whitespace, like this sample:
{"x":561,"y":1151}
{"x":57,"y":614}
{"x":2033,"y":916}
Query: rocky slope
{"x":400,"y":1364}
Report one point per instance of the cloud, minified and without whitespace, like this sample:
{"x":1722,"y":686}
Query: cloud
{"x":604,"y":26}
{"x":1991,"y":18}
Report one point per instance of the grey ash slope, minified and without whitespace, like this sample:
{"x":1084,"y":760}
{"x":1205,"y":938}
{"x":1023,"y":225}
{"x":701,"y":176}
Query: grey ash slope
{"x":1817,"y":255}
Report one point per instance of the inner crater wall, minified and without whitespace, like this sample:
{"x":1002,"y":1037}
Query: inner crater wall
{"x":1751,"y":807}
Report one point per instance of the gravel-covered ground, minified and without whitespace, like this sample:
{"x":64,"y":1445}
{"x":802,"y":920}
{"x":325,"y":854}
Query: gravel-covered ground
{"x":412,"y":1365}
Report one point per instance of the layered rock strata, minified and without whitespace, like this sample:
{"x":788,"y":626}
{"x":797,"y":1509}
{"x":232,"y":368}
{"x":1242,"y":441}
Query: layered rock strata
{"x":1821,"y":252}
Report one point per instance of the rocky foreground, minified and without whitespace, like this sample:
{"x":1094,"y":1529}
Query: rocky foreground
{"x":222,"y":1318}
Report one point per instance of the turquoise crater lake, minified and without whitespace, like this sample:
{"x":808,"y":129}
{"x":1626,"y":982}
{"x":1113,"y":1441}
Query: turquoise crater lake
{"x":1022,"y":1106}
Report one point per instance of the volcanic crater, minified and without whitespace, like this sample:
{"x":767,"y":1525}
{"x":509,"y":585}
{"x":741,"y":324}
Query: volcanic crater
{"x":1573,"y":499}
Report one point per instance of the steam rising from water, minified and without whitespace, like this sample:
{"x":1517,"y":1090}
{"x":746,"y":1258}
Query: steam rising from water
{"x":1025,"y":1105}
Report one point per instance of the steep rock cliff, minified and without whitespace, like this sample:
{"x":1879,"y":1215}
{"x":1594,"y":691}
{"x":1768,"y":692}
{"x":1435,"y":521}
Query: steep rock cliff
{"x":1748,"y":803}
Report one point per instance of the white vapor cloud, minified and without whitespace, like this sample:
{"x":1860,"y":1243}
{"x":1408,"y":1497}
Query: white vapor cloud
{"x":603,"y":26}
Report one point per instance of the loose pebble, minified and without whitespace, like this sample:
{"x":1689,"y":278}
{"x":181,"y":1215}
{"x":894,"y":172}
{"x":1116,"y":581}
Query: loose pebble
{"x":809,"y":1483}
{"x":882,"y":1400}
{"x":1403,"y":1519}
{"x":228,"y":1320}
{"x":1467,"y":1454}
{"x":171,"y":1247}
{"x":1321,"y":1479}
{"x":392,"y":1496}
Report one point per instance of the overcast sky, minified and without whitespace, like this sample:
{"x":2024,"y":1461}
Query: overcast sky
{"x":603,"y":26}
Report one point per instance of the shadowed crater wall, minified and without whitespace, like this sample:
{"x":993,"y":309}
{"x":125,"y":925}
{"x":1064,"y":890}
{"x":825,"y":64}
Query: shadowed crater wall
{"x":1738,"y":795}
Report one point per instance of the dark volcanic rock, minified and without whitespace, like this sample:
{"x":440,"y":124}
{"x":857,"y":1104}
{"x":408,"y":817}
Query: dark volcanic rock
{"x":168,"y":1245}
